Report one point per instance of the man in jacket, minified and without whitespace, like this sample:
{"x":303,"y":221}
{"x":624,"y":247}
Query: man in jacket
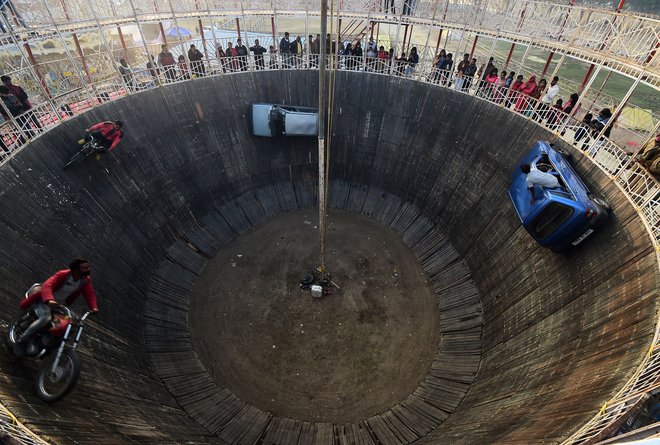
{"x":258,"y":51}
{"x":66,"y":284}
{"x":28,"y":118}
{"x":242,"y":52}
{"x":297,"y":49}
{"x":107,"y":134}
{"x":469,"y":73}
{"x":285,"y":50}
{"x":196,"y":61}
{"x":166,"y":60}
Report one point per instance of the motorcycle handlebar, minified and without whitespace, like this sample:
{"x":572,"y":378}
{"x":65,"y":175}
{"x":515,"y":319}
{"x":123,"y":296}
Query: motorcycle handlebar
{"x":87,"y":314}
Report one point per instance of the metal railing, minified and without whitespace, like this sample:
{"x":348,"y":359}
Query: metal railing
{"x":627,"y":42}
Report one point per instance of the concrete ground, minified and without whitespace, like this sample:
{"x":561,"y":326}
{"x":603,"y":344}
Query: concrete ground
{"x":341,"y":358}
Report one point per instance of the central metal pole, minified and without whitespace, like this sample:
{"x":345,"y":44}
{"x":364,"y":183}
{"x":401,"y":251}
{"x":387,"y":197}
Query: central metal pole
{"x":322,"y":118}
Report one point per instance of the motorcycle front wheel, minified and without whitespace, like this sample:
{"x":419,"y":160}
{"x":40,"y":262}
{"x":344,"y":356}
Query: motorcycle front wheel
{"x":75,"y":159}
{"x":52,"y":386}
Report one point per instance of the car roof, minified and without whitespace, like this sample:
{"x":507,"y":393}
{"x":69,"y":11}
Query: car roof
{"x":302,"y":109}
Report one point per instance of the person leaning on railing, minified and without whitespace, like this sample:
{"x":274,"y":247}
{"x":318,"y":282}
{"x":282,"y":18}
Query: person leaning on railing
{"x":127,"y":74}
{"x":14,"y":106}
{"x":285,"y":50}
{"x":383,"y":60}
{"x":522,"y":104}
{"x":232,"y":58}
{"x":272,"y":57}
{"x":166,"y":60}
{"x":28,"y":118}
{"x":196,"y":61}
{"x":445,"y":68}
{"x":184,"y":70}
{"x":514,"y":90}
{"x":469,"y":74}
{"x":242,"y":53}
{"x":548,"y":97}
{"x":357,"y":55}
{"x":258,"y":52}
{"x":221,"y":56}
{"x":649,"y":156}
{"x":534,"y":98}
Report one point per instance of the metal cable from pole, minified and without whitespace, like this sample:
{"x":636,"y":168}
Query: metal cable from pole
{"x":332,"y":71}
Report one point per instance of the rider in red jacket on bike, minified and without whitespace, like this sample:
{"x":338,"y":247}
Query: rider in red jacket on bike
{"x":107,"y":134}
{"x":66,"y":284}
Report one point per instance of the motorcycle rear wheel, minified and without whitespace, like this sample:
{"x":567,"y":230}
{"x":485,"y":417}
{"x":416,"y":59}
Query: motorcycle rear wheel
{"x":15,"y":331}
{"x":51,"y":387}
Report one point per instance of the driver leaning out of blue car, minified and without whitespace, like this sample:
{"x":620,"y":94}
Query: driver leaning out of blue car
{"x":67,"y":285}
{"x":537,"y":177}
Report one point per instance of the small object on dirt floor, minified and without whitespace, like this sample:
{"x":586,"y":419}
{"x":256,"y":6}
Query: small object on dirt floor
{"x":318,"y":284}
{"x":317,"y":291}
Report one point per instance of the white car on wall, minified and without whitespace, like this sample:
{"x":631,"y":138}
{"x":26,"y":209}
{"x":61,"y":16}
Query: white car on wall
{"x":273,"y":120}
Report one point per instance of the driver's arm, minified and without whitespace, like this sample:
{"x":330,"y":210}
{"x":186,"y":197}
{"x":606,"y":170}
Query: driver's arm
{"x":95,"y":127}
{"x":90,"y":295}
{"x":115,"y":142}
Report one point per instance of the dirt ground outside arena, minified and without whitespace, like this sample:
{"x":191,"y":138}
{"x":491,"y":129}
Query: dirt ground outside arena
{"x":341,"y":358}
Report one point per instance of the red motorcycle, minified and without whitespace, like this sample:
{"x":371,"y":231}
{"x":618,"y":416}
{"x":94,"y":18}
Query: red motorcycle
{"x":55,"y":345}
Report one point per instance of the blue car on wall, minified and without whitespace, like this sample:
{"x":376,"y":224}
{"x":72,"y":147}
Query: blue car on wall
{"x":559,"y":217}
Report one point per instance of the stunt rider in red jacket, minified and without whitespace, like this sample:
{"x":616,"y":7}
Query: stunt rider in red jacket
{"x":107,"y":134}
{"x":68,"y":284}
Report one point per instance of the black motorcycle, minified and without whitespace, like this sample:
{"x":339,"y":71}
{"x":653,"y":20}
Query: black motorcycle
{"x":55,"y":346}
{"x":88,"y":148}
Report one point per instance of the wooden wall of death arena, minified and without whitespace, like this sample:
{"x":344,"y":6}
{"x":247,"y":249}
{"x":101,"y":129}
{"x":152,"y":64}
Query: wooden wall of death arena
{"x":559,"y":333}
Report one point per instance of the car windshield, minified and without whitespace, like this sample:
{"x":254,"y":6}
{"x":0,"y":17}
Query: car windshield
{"x":549,"y":220}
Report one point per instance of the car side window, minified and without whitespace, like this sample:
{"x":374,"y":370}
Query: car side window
{"x":550,"y":219}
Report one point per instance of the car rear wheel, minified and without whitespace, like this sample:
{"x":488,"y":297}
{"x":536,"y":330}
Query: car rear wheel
{"x":601,"y":202}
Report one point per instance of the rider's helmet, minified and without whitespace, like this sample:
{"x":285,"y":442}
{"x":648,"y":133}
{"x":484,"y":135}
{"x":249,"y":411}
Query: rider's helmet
{"x":120,"y":124}
{"x":58,"y":325}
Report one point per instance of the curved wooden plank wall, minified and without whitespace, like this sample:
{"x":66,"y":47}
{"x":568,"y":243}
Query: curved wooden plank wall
{"x":560,"y":333}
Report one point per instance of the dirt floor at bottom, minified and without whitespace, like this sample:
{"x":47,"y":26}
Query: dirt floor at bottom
{"x":341,"y":358}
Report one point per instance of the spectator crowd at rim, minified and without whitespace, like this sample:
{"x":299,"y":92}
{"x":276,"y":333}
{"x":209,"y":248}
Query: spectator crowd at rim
{"x":538,"y":99}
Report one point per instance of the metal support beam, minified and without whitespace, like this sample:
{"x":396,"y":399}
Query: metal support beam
{"x":405,"y":37}
{"x":81,"y":55}
{"x":547,"y":63}
{"x":474,"y":45}
{"x":162,"y":32}
{"x":123,"y":42}
{"x":144,"y":39}
{"x":588,"y":75}
{"x":272,"y":26}
{"x":36,"y":69}
{"x":437,"y":45}
{"x":321,"y":134}
{"x":508,"y":57}
{"x":201,"y":34}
